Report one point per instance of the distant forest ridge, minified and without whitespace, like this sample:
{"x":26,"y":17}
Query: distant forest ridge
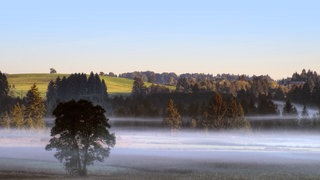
{"x":171,"y":78}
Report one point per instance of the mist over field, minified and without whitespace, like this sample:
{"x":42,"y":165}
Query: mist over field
{"x":185,"y":151}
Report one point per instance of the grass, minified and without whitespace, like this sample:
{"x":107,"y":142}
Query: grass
{"x":23,"y":82}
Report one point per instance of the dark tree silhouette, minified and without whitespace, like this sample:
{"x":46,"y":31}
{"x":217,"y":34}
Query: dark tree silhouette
{"x":289,"y":108}
{"x":80,"y":135}
{"x":304,"y":112}
{"x":138,"y":89}
{"x":53,"y":71}
{"x":76,"y":86}
{"x":266,"y":106}
{"x":4,"y":87}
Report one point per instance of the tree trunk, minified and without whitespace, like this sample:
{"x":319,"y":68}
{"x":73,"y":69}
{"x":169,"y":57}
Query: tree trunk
{"x":84,"y":170}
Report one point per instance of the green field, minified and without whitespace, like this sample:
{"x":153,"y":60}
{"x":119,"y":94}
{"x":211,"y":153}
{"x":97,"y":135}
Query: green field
{"x":23,"y":82}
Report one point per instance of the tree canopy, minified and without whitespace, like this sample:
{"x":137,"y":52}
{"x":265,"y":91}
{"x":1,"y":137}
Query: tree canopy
{"x":80,"y":135}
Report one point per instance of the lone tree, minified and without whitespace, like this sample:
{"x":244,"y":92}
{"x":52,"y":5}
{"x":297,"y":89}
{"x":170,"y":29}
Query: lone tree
{"x":53,"y":71}
{"x":80,"y":135}
{"x":172,"y":118}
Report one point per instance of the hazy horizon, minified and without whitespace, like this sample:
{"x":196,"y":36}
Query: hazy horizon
{"x":248,"y":37}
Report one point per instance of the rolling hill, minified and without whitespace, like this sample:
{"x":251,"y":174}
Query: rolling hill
{"x":21,"y":83}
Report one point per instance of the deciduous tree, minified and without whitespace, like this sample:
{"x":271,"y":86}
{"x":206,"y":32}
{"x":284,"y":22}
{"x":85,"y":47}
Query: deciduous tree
{"x":80,"y":135}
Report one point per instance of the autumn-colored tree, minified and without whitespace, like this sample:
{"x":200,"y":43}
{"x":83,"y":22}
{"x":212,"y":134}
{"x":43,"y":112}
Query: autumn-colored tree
{"x":172,"y":118}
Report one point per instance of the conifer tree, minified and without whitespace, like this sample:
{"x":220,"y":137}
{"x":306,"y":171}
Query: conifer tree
{"x":4,"y":87}
{"x":51,"y":96}
{"x":172,"y":119}
{"x":6,"y":121}
{"x":289,"y":108}
{"x":35,"y":108}
{"x":17,"y":116}
{"x":216,"y":111}
{"x":235,"y":115}
{"x":138,"y":89}
{"x":304,"y":112}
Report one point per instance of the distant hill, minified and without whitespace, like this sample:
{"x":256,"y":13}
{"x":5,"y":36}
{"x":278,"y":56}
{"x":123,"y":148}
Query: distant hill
{"x":21,"y":83}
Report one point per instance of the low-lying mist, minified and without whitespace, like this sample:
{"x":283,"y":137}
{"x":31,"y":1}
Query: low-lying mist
{"x":236,"y":146}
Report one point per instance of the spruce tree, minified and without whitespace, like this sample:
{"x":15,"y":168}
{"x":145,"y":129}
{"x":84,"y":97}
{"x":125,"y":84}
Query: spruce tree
{"x":35,"y":108}
{"x":304,"y":112}
{"x":17,"y":116}
{"x":6,"y":121}
{"x":51,"y":97}
{"x":289,"y":108}
{"x":235,"y":115}
{"x":172,"y":118}
{"x":216,"y":111}
{"x":4,"y":87}
{"x":138,"y":89}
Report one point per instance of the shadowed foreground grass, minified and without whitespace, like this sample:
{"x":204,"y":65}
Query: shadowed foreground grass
{"x":217,"y":171}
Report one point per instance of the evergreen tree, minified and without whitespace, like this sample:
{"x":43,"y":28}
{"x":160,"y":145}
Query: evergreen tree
{"x":6,"y":121}
{"x":17,"y":116}
{"x":4,"y":87}
{"x":224,"y":114}
{"x":172,"y":119}
{"x":104,"y":89}
{"x":266,"y":106}
{"x":35,"y":108}
{"x":235,"y":115}
{"x":304,"y":112}
{"x":216,"y":112}
{"x":289,"y":108}
{"x":91,"y":85}
{"x":138,"y":89}
{"x":51,"y":96}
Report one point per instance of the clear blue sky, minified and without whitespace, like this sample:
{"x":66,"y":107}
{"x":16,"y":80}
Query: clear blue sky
{"x":275,"y":37}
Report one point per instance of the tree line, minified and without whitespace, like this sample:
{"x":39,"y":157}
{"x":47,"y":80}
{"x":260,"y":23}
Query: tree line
{"x":191,"y":96}
{"x":75,"y":87}
{"x":26,"y":113}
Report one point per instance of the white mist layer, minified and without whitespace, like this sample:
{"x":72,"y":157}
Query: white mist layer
{"x":312,"y":111}
{"x":272,"y":147}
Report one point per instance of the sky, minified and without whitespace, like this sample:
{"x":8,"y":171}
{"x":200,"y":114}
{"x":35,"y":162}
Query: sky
{"x":270,"y":37}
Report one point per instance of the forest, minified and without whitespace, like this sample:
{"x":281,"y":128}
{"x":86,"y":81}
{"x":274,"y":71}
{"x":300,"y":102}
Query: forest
{"x":200,"y":100}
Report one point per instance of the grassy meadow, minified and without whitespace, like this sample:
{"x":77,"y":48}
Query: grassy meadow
{"x":23,"y":82}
